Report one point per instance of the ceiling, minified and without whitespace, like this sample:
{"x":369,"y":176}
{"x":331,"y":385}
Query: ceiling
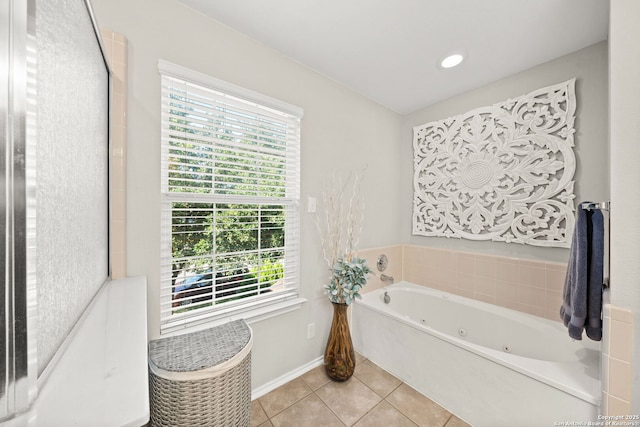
{"x":388,"y":50}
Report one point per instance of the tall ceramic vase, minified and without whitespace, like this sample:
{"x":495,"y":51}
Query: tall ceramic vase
{"x":339,"y":357}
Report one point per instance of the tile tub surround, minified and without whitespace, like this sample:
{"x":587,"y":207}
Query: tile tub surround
{"x":372,"y":397}
{"x":115,"y":45}
{"x":617,"y":360}
{"x":533,"y":287}
{"x":529,"y":286}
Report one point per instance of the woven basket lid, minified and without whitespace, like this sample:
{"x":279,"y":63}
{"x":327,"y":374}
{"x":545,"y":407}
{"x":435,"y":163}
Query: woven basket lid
{"x":200,"y":350}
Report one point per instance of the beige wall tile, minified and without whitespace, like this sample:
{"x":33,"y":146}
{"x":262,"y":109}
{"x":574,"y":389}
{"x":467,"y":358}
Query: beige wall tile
{"x":532,"y":263}
{"x":441,"y":258}
{"x":561,"y":266}
{"x":491,"y":299}
{"x":604,"y":374}
{"x":118,"y":141}
{"x":108,"y":48}
{"x":120,"y":71}
{"x":441,"y":287}
{"x":620,"y":340}
{"x":107,"y":41}
{"x":536,"y":311}
{"x":617,"y":406}
{"x":532,"y":296}
{"x":118,"y":205}
{"x":446,"y":278}
{"x":484,"y":285}
{"x":440,"y":267}
{"x":118,"y":113}
{"x":117,"y":173}
{"x":119,"y":53}
{"x":534,"y":287}
{"x":507,"y":271}
{"x":394,"y":254}
{"x":116,"y":49}
{"x":465,"y":282}
{"x":120,"y":38}
{"x":507,"y":294}
{"x":553,"y":302}
{"x":118,"y":86}
{"x":606,"y":330}
{"x":555,"y":279}
{"x":414,"y":264}
{"x":619,"y":379}
{"x":117,"y":235}
{"x":118,"y":265}
{"x":486,"y":266}
{"x":531,"y":276}
{"x":621,"y":314}
{"x":463,"y":293}
{"x":464,"y":263}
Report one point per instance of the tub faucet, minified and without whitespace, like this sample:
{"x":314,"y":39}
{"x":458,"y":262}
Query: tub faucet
{"x":386,"y":279}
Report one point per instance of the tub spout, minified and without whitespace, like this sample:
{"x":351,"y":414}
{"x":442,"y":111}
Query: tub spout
{"x":386,"y":279}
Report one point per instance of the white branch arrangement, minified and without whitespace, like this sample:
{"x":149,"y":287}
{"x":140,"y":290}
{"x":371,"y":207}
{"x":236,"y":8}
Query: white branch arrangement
{"x":341,"y":223}
{"x":339,"y":229}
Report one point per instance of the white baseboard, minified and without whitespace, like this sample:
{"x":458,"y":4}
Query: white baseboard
{"x":283,"y":379}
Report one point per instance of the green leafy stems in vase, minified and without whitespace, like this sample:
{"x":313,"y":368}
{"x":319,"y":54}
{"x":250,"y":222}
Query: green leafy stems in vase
{"x":347,"y":279}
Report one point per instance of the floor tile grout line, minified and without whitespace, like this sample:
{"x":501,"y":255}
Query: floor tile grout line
{"x":289,"y":406}
{"x":448,"y":419}
{"x":367,"y":413}
{"x":395,"y":407}
{"x":362,"y":381}
{"x":331,"y":410}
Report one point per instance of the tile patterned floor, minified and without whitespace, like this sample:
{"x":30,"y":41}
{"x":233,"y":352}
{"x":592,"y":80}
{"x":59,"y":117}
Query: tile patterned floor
{"x":372,"y":397}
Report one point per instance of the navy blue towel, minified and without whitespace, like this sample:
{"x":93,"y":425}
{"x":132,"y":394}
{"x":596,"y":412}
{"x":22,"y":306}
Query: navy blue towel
{"x":582,"y":296}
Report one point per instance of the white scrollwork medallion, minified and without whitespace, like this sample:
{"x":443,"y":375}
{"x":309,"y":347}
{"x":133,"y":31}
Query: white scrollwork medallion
{"x":502,"y":173}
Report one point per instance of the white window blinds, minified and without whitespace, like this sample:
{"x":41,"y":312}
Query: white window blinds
{"x":230,"y":198}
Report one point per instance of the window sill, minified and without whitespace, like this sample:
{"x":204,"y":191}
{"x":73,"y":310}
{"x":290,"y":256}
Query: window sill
{"x":250,"y":313}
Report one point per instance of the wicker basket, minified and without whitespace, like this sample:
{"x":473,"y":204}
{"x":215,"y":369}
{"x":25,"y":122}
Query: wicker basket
{"x":202,"y":378}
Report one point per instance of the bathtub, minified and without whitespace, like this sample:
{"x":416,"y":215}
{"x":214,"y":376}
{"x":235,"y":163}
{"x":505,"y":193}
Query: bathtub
{"x":489,"y":365}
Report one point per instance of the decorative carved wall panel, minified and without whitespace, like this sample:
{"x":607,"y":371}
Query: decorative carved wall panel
{"x":502,"y":173}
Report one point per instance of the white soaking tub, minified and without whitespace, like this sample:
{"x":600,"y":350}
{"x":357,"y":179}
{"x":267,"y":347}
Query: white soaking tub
{"x":489,"y":365}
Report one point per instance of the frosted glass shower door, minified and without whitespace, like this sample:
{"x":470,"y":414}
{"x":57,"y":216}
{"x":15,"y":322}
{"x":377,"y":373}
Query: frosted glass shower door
{"x":72,"y":205}
{"x":54,"y":184}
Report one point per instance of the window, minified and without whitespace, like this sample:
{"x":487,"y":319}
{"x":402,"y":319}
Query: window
{"x":230,"y":199}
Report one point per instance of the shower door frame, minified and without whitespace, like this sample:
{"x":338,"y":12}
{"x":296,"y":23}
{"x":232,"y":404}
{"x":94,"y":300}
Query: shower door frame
{"x":18,"y":315}
{"x":19,"y":379}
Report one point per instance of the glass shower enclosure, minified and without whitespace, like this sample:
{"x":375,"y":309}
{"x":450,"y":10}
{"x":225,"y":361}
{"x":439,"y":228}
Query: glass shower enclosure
{"x":54,"y":173}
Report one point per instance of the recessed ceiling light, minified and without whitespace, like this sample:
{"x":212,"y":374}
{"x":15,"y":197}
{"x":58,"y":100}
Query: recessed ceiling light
{"x":452,"y":60}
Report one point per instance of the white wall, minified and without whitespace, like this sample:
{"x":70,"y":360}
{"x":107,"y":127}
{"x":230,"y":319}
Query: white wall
{"x":624,"y":71}
{"x":340,"y":130}
{"x":589,"y":67}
